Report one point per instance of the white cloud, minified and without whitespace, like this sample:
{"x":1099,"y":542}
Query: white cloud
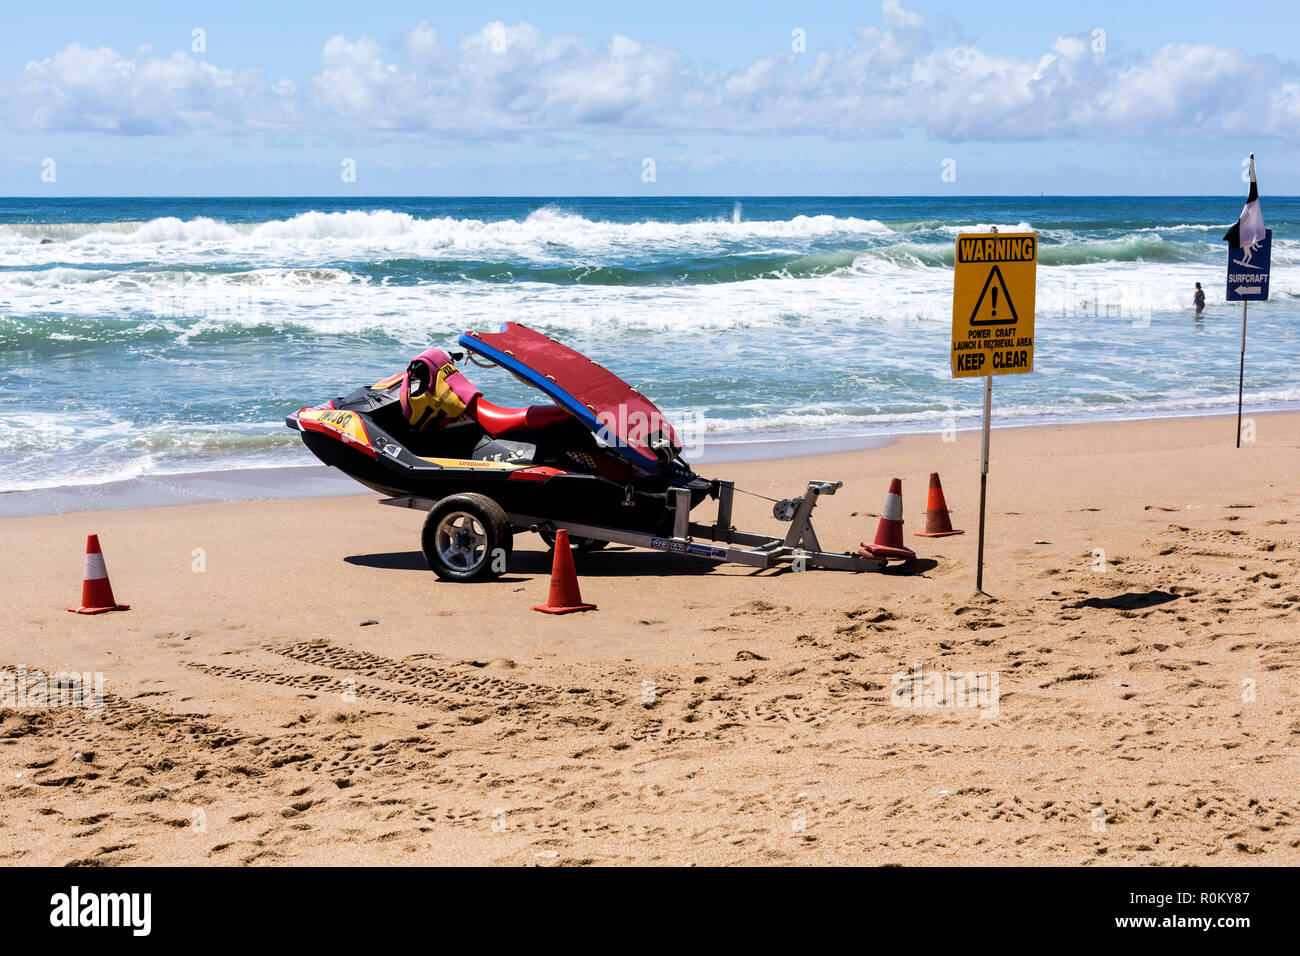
{"x":1204,"y":85}
{"x":420,"y":46}
{"x":507,"y":79}
{"x":98,"y":89}
{"x":897,"y":18}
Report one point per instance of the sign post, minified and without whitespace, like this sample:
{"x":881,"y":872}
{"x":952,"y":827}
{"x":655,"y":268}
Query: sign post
{"x":1241,"y":371}
{"x":1248,"y":269}
{"x":984,"y":479}
{"x":992,"y":325}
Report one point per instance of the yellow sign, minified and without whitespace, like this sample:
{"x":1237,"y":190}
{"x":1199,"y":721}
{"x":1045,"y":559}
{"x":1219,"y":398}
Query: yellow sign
{"x":993,"y":304}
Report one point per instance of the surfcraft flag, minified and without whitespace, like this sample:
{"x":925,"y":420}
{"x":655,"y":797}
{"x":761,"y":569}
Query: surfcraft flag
{"x":1248,"y":231}
{"x":1249,"y":237}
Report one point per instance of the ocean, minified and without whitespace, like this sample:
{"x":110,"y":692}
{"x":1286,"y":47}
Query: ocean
{"x":163,"y":336}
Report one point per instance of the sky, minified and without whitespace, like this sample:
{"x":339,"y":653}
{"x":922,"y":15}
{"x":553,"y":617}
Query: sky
{"x":900,"y":97}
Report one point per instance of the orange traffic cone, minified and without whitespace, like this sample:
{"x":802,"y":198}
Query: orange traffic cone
{"x":96,"y":592}
{"x":938,"y":523}
{"x":889,"y":533}
{"x":565,"y":595}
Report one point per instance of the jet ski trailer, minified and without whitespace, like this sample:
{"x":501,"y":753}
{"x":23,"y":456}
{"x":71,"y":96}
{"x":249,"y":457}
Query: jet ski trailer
{"x":600,"y":462}
{"x":720,"y":541}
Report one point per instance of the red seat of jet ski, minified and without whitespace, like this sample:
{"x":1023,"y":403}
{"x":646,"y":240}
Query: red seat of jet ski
{"x":498,"y":421}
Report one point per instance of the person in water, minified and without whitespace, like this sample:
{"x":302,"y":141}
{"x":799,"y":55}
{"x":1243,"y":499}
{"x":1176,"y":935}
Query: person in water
{"x":1199,"y":299}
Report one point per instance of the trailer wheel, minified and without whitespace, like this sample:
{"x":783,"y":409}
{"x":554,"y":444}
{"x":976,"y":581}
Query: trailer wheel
{"x":579,"y":545}
{"x":467,"y":538}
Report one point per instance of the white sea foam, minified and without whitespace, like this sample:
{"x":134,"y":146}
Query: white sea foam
{"x":808,"y":325}
{"x":546,"y":233}
{"x":337,"y":300}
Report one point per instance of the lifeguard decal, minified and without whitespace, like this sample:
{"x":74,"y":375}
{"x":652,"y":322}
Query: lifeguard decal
{"x":472,"y":463}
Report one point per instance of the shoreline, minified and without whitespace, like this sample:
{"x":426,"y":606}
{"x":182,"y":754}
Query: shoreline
{"x":314,"y":480}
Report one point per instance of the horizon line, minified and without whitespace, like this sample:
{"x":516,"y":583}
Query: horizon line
{"x":644,"y":197}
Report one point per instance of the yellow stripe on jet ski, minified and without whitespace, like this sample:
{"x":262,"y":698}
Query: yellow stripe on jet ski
{"x":388,"y":382}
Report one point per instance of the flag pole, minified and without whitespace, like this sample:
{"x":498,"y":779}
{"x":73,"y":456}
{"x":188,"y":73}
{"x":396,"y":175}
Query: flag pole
{"x":1241,"y":372}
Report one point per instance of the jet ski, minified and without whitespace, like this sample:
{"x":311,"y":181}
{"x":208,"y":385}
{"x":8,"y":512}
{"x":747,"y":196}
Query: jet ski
{"x":599,"y":453}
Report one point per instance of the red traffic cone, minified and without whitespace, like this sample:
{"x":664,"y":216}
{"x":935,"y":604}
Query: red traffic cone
{"x":565,"y":595}
{"x":889,"y":533}
{"x":96,"y":592}
{"x":938,"y":523}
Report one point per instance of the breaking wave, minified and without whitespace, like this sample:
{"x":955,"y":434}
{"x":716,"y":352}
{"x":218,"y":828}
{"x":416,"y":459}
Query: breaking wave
{"x":546,"y":226}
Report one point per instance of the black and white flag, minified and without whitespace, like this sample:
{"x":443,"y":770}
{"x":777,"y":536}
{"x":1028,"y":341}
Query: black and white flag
{"x":1248,"y":231}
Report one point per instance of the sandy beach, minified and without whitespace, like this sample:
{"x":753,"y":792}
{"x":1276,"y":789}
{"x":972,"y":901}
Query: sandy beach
{"x":292,"y":685}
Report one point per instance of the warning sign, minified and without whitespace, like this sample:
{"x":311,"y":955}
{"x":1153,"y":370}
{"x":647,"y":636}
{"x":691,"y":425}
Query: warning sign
{"x":993,"y":304}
